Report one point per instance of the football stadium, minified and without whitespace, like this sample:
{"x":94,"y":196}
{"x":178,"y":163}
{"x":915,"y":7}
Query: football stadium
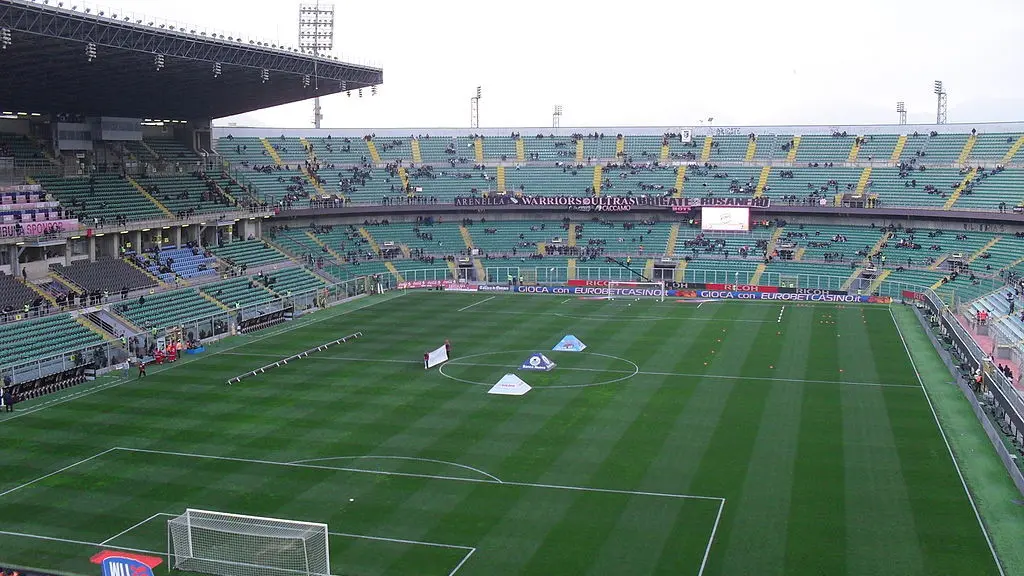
{"x":235,"y":349}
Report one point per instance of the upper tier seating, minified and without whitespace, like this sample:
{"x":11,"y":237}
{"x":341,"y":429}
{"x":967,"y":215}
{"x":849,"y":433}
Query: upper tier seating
{"x":248,"y":252}
{"x":43,"y":337}
{"x":182,"y":193}
{"x":20,"y":147}
{"x":108,"y":274}
{"x":103,"y":197}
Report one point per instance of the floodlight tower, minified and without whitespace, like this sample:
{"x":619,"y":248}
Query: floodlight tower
{"x":316,"y":34}
{"x":474,"y":110}
{"x":901,"y":108}
{"x":940,"y":111}
{"x":556,"y":117}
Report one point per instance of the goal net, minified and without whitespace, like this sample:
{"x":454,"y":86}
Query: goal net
{"x":634,"y":290}
{"x":235,"y":545}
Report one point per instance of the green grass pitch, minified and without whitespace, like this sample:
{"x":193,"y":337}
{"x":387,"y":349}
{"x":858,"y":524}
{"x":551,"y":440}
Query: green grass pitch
{"x":720,"y":439}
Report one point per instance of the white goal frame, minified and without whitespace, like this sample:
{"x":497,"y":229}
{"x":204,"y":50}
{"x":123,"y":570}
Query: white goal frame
{"x":181,"y":549}
{"x":640,"y":289}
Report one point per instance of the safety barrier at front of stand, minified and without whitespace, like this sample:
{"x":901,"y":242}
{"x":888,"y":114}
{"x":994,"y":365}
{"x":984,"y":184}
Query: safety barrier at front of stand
{"x":284,"y":361}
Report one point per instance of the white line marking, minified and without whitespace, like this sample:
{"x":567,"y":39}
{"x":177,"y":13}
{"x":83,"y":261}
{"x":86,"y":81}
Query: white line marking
{"x":414,"y":475}
{"x":949,"y":448}
{"x":371,"y":457}
{"x":127,"y":530}
{"x":780,"y":313}
{"x":476,"y":303}
{"x":566,"y":300}
{"x":456,"y":362}
{"x":711,"y":540}
{"x":459,"y":565}
{"x":82,"y":543}
{"x":54,"y":473}
{"x":367,"y":537}
{"x":699,"y":305}
{"x":243,"y":340}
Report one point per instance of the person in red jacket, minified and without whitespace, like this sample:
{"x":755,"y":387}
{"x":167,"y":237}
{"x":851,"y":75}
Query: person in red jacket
{"x":426,"y":361}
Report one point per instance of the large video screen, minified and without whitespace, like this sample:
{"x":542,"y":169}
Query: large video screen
{"x":725,"y":219}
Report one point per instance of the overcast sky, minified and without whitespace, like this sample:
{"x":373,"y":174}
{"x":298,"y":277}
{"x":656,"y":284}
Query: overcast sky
{"x":663,"y":63}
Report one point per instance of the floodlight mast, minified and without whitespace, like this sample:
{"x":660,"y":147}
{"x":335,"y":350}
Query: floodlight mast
{"x":316,"y":34}
{"x":474,"y":109}
{"x":901,"y":108}
{"x":556,"y":117}
{"x":940,"y":110}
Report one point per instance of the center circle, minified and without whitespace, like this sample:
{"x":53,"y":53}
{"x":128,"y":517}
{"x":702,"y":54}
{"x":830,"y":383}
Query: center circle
{"x":551,"y":354}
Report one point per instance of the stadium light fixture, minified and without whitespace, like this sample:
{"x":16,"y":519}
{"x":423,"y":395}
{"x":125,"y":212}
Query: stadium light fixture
{"x":216,"y":69}
{"x":158,"y":61}
{"x":5,"y":38}
{"x":305,"y":80}
{"x":264,"y":75}
{"x":360,"y":92}
{"x":373,"y":90}
{"x":90,"y":51}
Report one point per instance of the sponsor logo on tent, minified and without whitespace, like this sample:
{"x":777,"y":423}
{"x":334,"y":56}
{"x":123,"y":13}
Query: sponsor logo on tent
{"x":537,"y":361}
{"x":125,"y":563}
{"x":570,"y":344}
{"x":510,"y":385}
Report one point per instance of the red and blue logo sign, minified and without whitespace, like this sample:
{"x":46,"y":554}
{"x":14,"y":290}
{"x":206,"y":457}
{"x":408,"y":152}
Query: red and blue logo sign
{"x":125,"y":563}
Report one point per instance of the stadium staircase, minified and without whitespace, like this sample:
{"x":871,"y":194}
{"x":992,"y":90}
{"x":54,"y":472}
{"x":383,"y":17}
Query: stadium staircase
{"x":680,"y":271}
{"x":394,"y":271}
{"x":570,"y":267}
{"x":149,"y":149}
{"x":46,"y":295}
{"x":938,"y":262}
{"x":271,"y":152}
{"x":673,"y":237}
{"x":571,"y":240}
{"x":791,"y":156}
{"x":897,"y":151}
{"x":86,"y":323}
{"x":854,"y":150}
{"x":965,"y":152}
{"x":862,"y":182}
{"x":453,"y":268}
{"x":156,"y":280}
{"x":598,"y":171}
{"x":214,"y":301}
{"x":620,"y":146}
{"x":520,"y":150}
{"x":370,"y":240}
{"x":774,"y":239}
{"x":758,"y":272}
{"x":540,"y":248}
{"x":960,"y":189}
{"x":337,"y":257}
{"x":649,"y":268}
{"x":149,"y":197}
{"x":579,"y":151}
{"x":853,"y":276}
{"x":705,"y":151}
{"x":372,"y":149}
{"x":877,"y":282}
{"x":500,"y":177}
{"x":481,"y":273}
{"x":988,"y":246}
{"x":1013,"y":151}
{"x":417,"y":155}
{"x":478,"y":150}
{"x":315,"y":182}
{"x":680,"y":181}
{"x":404,"y":177}
{"x":762,"y":181}
{"x":664,"y":152}
{"x":751,"y":150}
{"x":799,"y":255}
{"x":467,"y":238}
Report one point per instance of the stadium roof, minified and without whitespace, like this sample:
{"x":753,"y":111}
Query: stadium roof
{"x":48,"y":70}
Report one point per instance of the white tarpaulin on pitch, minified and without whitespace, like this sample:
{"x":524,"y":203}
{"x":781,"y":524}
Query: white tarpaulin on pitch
{"x":436,"y":357}
{"x":510,"y":385}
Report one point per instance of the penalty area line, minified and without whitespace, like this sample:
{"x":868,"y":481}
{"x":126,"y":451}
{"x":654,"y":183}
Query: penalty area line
{"x":476,"y":303}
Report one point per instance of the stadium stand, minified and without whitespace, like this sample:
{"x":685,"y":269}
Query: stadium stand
{"x":165,"y":309}
{"x":187,"y":262}
{"x":102,"y":198}
{"x":110,"y":274}
{"x":249,"y":253}
{"x":14,"y":295}
{"x":42,"y":337}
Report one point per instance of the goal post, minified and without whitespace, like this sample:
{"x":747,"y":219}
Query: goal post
{"x":223,"y":544}
{"x":623,"y":290}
